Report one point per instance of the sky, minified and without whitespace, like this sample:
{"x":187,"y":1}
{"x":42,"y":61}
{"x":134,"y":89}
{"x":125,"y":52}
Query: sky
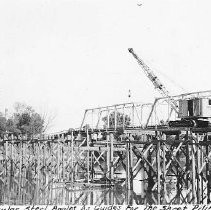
{"x":63,"y":56}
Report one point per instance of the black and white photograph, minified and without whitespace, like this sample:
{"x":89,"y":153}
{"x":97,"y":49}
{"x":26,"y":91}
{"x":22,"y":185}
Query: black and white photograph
{"x":105,"y":103}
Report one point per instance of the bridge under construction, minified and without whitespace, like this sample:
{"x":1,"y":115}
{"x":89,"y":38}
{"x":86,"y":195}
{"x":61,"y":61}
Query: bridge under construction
{"x":116,"y":145}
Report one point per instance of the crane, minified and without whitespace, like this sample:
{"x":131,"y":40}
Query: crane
{"x":156,"y":82}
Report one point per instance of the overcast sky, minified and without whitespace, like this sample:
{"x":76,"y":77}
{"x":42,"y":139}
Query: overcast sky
{"x":68,"y":55}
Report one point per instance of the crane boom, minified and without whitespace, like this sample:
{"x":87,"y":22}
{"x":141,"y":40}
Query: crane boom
{"x":155,"y":81}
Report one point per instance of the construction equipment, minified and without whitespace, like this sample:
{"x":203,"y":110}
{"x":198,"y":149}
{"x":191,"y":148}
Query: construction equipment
{"x":192,"y":112}
{"x":156,"y":82}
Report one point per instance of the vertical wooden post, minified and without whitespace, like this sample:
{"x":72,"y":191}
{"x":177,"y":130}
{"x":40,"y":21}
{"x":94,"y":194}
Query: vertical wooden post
{"x":9,"y":170}
{"x":164,"y":172}
{"x":64,"y":190}
{"x":87,"y":139}
{"x":198,"y":155}
{"x":92,"y":198}
{"x":50,"y":193}
{"x":38,"y":172}
{"x":6,"y":156}
{"x":178,"y":173}
{"x":108,"y":155}
{"x":129,"y":172}
{"x":62,"y":157}
{"x":111,"y":196}
{"x":150,"y":180}
{"x":129,"y":197}
{"x":127,"y":167}
{"x":111,"y":157}
{"x":72,"y":158}
{"x":202,"y":150}
{"x":20,"y":168}
{"x":44,"y":166}
{"x":67,"y":154}
{"x":92,"y":166}
{"x":24,"y":159}
{"x":187,"y":165}
{"x":58,"y":159}
{"x":158,"y":169}
{"x":73,"y":197}
{"x":131,"y":158}
{"x":207,"y":172}
{"x":12,"y":156}
{"x":193,"y":169}
{"x":67,"y":200}
{"x":11,"y":164}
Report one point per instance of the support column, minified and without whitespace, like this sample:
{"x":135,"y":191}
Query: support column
{"x":20,"y":169}
{"x":150,"y":179}
{"x":72,"y":158}
{"x":62,"y":157}
{"x":58,"y":159}
{"x":111,"y":196}
{"x":164,"y":173}
{"x":208,"y":171}
{"x":187,"y":178}
{"x":107,"y":172}
{"x":87,"y":140}
{"x":111,"y":157}
{"x":193,"y":170}
{"x":129,"y":197}
{"x":11,"y":165}
{"x":158,"y":170}
{"x":198,"y":155}
{"x":129,"y":172}
{"x":38,"y":172}
{"x":6,"y":156}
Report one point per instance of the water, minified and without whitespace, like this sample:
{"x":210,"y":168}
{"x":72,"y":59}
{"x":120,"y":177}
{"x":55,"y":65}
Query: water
{"x":12,"y":193}
{"x":29,"y":174}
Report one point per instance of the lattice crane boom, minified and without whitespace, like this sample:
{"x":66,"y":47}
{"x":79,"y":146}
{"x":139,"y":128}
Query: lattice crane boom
{"x":155,"y":81}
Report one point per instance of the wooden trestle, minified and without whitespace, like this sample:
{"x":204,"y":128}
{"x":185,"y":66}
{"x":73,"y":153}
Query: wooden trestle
{"x":96,"y":158}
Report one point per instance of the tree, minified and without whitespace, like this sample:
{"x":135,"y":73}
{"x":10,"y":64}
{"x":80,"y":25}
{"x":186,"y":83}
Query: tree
{"x":11,"y":126}
{"x":25,"y":120}
{"x":3,"y":122}
{"x":120,"y":118}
